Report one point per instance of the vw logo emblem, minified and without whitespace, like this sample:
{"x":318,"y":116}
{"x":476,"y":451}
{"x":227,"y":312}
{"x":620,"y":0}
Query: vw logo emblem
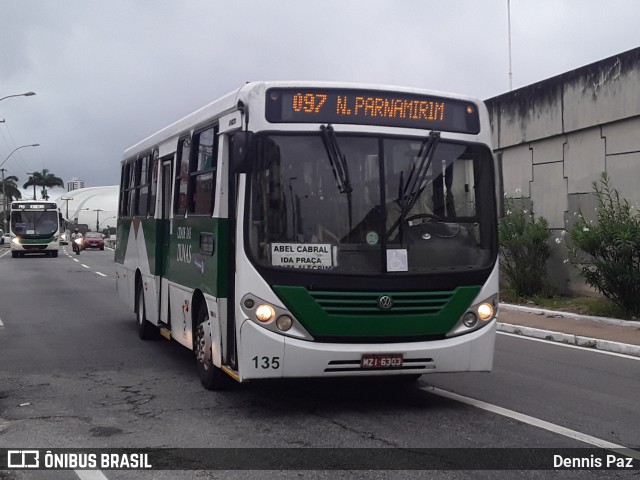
{"x":385,"y":302}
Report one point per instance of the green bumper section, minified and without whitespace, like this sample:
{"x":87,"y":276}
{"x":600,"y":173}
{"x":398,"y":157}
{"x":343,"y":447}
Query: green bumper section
{"x":36,"y":241}
{"x":352,"y":314}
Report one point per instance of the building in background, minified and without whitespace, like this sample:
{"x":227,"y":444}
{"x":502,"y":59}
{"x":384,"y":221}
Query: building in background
{"x":74,"y":184}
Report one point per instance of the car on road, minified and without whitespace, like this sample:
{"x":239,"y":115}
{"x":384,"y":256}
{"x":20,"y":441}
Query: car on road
{"x":5,"y":239}
{"x":93,"y":240}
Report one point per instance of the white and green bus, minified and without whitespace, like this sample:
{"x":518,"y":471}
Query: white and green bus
{"x":296,"y":229}
{"x":35,"y":227}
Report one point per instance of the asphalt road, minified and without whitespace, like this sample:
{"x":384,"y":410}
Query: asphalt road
{"x":73,"y":373}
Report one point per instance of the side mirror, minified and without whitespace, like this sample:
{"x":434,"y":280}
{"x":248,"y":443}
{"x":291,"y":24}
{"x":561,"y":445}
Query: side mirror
{"x":242,"y":151}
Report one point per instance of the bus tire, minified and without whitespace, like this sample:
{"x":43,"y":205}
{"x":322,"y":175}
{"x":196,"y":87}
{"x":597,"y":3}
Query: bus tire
{"x":146,"y":330}
{"x":211,"y":377}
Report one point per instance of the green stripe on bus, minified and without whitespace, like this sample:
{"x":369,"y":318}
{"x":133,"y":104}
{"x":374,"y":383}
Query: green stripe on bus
{"x":184,"y":262}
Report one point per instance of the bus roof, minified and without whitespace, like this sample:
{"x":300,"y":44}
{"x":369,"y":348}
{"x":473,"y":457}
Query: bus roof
{"x":230,"y":101}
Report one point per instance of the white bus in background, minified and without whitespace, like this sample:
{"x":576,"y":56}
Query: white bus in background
{"x":315,"y":230}
{"x":35,"y":227}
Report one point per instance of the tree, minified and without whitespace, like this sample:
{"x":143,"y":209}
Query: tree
{"x":524,"y":249}
{"x":10,"y":188}
{"x":10,"y":192}
{"x":607,"y":253}
{"x":44,"y":179}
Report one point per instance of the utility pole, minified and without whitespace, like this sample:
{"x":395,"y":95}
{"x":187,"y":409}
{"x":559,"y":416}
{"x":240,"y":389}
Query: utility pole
{"x":509,"y":28}
{"x":98,"y":210}
{"x":66,"y":200}
{"x":4,"y":202}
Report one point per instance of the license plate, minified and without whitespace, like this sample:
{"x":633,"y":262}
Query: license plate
{"x":382,"y":360}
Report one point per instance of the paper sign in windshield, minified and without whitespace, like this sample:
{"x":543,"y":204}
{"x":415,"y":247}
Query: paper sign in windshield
{"x":302,"y":255}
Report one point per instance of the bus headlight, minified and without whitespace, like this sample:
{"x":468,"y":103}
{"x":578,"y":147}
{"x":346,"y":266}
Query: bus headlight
{"x":270,"y":316}
{"x":265,"y":313}
{"x":16,"y":240}
{"x":485,"y":311}
{"x":477,"y":316}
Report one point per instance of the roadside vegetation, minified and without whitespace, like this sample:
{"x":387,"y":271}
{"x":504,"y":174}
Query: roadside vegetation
{"x":606,"y":253}
{"x":524,"y":250}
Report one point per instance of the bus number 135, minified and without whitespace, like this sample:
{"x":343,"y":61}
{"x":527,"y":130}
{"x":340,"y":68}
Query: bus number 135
{"x":266,"y":362}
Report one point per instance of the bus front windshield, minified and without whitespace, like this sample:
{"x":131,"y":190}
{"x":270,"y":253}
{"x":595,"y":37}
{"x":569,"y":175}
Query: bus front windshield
{"x":34,"y":223}
{"x":355,"y":204}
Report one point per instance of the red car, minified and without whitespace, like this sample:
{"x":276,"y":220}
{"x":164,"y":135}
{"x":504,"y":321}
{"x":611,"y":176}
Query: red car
{"x":93,"y":240}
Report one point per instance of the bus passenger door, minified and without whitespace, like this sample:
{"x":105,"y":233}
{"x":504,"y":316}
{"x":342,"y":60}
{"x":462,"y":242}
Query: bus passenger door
{"x":165,"y":239}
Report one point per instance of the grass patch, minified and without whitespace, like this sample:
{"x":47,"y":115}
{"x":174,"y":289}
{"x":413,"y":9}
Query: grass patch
{"x":599,"y":307}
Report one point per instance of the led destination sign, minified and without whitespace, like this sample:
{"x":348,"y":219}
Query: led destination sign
{"x":35,"y":206}
{"x":371,"y":107}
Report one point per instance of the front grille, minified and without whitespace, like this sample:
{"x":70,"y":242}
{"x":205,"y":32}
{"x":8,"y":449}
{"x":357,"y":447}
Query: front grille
{"x":33,"y":247}
{"x":358,"y":303}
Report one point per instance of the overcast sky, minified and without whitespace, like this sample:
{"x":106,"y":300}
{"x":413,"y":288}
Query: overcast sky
{"x":108,"y":73}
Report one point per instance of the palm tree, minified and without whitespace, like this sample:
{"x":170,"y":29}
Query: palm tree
{"x":10,"y":188}
{"x":44,"y":179}
{"x":10,"y":192}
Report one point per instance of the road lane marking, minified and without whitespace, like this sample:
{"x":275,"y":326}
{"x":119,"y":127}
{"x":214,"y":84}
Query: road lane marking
{"x":536,"y":422}
{"x":101,"y":274}
{"x":1,"y":324}
{"x":560,"y":344}
{"x":90,"y":475}
{"x":85,"y":266}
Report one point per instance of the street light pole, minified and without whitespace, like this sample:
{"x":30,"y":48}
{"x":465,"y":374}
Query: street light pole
{"x":4,"y":189}
{"x":66,"y":200}
{"x":26,"y":94}
{"x":16,"y":149}
{"x":98,"y":210}
{"x":4,"y":203}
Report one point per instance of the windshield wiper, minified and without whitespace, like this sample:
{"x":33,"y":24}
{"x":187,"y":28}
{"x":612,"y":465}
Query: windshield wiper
{"x":337,"y":159}
{"x":338,"y":164}
{"x":409,"y":192}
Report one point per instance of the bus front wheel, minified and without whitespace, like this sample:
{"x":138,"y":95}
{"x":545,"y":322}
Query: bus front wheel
{"x":211,"y":377}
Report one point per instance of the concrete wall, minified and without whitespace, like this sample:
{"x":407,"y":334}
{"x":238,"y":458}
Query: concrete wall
{"x":557,"y":136}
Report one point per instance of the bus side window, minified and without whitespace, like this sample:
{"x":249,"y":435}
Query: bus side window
{"x":153,"y":172}
{"x":142,"y":186}
{"x":122,"y":209}
{"x":131,"y":202}
{"x":182,"y":177}
{"x":202,"y":172}
{"x":127,"y":189}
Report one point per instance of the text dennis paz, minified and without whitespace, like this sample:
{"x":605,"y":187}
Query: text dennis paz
{"x":592,"y":461}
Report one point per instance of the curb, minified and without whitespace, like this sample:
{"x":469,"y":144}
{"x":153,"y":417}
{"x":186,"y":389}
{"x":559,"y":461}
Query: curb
{"x":569,"y":339}
{"x":558,"y":313}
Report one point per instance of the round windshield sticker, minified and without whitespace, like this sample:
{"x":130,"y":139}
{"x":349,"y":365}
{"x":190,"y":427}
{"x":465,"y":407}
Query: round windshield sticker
{"x":372,"y":238}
